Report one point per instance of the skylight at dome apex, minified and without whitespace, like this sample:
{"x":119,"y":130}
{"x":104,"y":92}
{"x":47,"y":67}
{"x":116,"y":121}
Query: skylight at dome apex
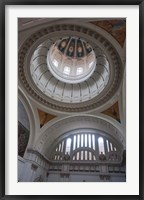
{"x":71,"y":60}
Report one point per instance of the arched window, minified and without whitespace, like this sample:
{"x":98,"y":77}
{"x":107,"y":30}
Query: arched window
{"x":74,"y":142}
{"x":77,"y":155}
{"x":89,"y":139}
{"x":59,"y":147}
{"x":90,"y":156}
{"x":68,"y":146}
{"x":101,"y":145}
{"x":82,"y":141}
{"x":93,"y":141}
{"x":85,"y":155}
{"x":111,"y":146}
{"x":78,"y":141}
{"x":107,"y":145}
{"x":85,"y":140}
{"x":82,"y":146}
{"x":82,"y":157}
{"x":62,"y":146}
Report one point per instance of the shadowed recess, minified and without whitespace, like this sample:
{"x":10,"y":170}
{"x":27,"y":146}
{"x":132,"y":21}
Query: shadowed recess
{"x":44,"y":117}
{"x":113,"y":112}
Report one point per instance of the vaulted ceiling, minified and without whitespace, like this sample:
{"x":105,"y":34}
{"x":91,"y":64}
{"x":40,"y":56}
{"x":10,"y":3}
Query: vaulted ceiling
{"x":53,"y":97}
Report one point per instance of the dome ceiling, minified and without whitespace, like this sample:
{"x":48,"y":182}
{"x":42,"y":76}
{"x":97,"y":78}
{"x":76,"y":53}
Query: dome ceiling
{"x":55,"y":82}
{"x":69,"y":68}
{"x":71,"y":60}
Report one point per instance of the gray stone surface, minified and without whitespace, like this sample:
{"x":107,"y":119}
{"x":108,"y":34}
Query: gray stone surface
{"x":22,"y":115}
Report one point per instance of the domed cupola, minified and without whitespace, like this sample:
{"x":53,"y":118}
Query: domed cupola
{"x":71,"y":60}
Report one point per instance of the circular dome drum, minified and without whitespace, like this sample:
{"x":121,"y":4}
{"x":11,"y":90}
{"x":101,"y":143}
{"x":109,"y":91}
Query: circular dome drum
{"x":71,"y":60}
{"x":71,"y":91}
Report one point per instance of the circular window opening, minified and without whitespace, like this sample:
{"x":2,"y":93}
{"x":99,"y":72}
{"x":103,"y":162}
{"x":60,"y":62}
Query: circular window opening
{"x":71,"y":60}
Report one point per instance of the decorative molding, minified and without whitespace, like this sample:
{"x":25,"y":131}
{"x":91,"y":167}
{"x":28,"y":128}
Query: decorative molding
{"x":107,"y":162}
